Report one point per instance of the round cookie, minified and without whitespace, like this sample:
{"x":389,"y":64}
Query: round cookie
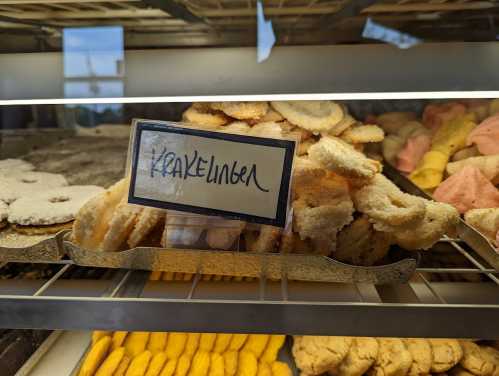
{"x":474,"y":361}
{"x":446,"y":354}
{"x":360,"y":358}
{"x":316,"y":355}
{"x":59,"y":205}
{"x":422,"y":356}
{"x":393,"y":358}
{"x":4,"y":213}
{"x":242,"y":110}
{"x":28,"y":184}
{"x":491,"y":355}
{"x":315,"y":116}
{"x":201,"y":115}
{"x":12,"y":166}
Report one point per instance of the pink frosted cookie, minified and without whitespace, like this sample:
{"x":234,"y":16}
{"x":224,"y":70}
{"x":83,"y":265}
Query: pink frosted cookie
{"x":27,"y":184}
{"x":468,"y":189}
{"x":486,"y":136}
{"x":59,"y":205}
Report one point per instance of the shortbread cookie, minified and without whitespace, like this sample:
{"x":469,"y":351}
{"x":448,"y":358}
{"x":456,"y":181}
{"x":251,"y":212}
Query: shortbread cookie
{"x":422,"y":356}
{"x":360,"y":358}
{"x":42,"y":230}
{"x":315,"y":116}
{"x":242,"y":110}
{"x":393,"y":358}
{"x":271,"y":115}
{"x":28,"y":184}
{"x":203,"y":116}
{"x":268,"y":130}
{"x":363,"y":134}
{"x":59,"y":205}
{"x":343,"y":125}
{"x":492,"y":356}
{"x":341,"y":158}
{"x":11,"y":166}
{"x":446,"y":354}
{"x":315,"y":355}
{"x":474,"y":361}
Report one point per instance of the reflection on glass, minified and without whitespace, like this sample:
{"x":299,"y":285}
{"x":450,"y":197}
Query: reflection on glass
{"x":94,"y":67}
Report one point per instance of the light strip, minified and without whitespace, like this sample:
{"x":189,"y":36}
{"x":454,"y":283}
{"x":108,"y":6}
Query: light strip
{"x":260,"y":97}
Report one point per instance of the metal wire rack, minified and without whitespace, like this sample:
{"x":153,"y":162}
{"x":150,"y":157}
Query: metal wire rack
{"x":463,"y":304}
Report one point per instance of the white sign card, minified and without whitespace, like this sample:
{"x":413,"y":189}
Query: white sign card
{"x":210,"y":173}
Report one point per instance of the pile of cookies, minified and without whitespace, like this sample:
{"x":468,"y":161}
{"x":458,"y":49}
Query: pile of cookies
{"x":38,"y":203}
{"x":342,"y":206}
{"x":356,"y":356}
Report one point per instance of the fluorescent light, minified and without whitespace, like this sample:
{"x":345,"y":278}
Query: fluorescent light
{"x":264,"y":97}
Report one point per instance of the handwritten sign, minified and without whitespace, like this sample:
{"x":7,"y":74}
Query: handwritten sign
{"x":210,"y":173}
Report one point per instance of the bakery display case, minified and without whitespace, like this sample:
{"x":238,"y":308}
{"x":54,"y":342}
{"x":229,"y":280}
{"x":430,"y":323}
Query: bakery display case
{"x":316,"y":182}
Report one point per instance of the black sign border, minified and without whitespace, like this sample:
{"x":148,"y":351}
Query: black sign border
{"x":169,"y":127}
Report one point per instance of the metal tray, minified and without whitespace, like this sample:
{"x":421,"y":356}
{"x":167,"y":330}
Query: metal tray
{"x":15,"y":247}
{"x":274,"y":266}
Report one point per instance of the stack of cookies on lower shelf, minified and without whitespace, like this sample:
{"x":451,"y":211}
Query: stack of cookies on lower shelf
{"x":38,"y":203}
{"x":356,"y":356}
{"x":342,"y":205}
{"x":183,"y":354}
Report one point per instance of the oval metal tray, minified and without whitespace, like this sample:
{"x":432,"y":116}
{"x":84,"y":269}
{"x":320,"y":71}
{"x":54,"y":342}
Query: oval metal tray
{"x":300,"y":267}
{"x":15,"y":247}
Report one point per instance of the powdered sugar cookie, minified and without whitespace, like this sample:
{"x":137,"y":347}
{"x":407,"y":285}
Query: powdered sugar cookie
{"x":315,"y":116}
{"x":4,"y":213}
{"x":9,"y":166}
{"x":28,"y":184}
{"x":242,"y":110}
{"x":59,"y":205}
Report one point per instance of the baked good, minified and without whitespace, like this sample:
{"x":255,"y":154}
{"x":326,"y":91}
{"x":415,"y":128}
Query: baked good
{"x":120,"y":226}
{"x":386,"y":205}
{"x":446,"y":354}
{"x":439,"y":219}
{"x":422,"y":356}
{"x":488,"y":166}
{"x":391,"y":122}
{"x":315,"y":116}
{"x":491,"y":355}
{"x":31,"y":214}
{"x":306,"y":171}
{"x":4,"y":213}
{"x":148,"y":218}
{"x":341,"y":158}
{"x":203,"y":116}
{"x":236,"y":127}
{"x":27,"y":184}
{"x":266,"y":241}
{"x":360,"y":358}
{"x":359,"y":244}
{"x":468,"y":189}
{"x":316,"y":355}
{"x":486,"y":136}
{"x":362,"y":134}
{"x":393,"y":358}
{"x":92,"y":221}
{"x":12,"y":166}
{"x":474,"y":361}
{"x":484,"y":220}
{"x":242,"y":110}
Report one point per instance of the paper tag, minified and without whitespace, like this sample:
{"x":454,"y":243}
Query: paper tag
{"x":210,"y":173}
